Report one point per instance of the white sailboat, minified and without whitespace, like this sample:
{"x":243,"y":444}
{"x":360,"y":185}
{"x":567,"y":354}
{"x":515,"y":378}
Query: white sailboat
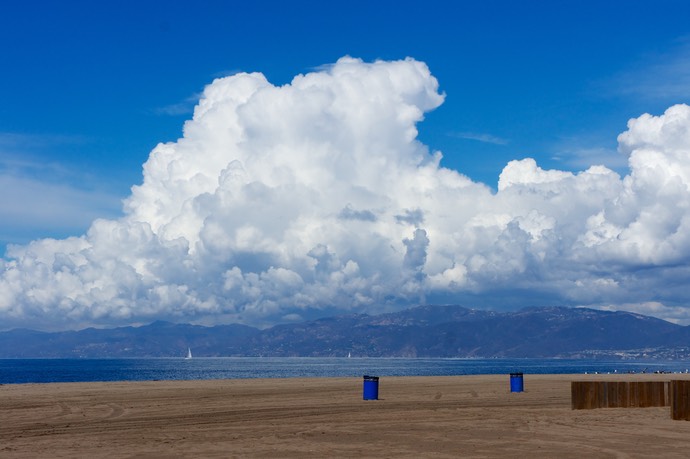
{"x":189,"y":353}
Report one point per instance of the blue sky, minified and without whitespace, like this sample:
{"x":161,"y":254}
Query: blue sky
{"x":88,"y":89}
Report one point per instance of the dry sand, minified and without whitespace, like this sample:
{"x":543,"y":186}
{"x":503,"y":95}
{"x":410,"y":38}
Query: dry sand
{"x":463,"y":416}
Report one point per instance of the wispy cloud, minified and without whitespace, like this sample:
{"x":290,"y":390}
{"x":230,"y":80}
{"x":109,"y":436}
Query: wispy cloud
{"x":10,"y":141}
{"x":38,"y":203}
{"x":31,"y":154}
{"x":576,"y":155}
{"x":46,"y":196}
{"x":481,"y":137}
{"x":663,"y":76}
{"x":184,"y":107}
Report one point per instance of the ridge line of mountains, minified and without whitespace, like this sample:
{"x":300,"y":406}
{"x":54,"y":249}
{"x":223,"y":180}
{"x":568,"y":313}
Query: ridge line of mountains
{"x":424,"y":331}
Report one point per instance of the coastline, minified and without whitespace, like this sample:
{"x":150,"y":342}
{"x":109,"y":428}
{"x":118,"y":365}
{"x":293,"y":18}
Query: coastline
{"x":431,"y":416}
{"x":153,"y":369}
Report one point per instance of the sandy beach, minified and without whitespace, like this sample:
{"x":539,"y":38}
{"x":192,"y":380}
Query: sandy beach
{"x":463,"y":416}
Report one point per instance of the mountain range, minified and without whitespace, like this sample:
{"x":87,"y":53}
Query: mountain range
{"x":424,"y":331}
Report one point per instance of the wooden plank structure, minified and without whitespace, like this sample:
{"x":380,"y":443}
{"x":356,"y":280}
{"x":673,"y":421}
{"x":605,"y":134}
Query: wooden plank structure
{"x":680,"y":400}
{"x":587,"y":395}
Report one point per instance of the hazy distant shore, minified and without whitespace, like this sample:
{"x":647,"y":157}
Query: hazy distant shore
{"x":94,"y":370}
{"x":469,"y":416}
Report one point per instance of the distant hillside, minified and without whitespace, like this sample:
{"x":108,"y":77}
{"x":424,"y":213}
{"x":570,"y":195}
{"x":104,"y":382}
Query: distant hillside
{"x":426,"y":331}
{"x":159,"y":339}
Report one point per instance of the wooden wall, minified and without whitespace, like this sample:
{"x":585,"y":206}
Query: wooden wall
{"x":588,"y":395}
{"x":680,"y":400}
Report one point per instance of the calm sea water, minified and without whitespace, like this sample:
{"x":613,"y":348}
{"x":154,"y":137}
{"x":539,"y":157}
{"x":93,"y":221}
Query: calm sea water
{"x":14,"y":371}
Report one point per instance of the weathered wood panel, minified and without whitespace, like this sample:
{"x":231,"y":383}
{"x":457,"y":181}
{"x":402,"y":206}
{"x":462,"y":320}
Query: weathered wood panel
{"x":587,"y":395}
{"x":679,"y":395}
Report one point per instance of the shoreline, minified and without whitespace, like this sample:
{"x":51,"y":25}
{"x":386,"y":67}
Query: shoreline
{"x":430,"y":416}
{"x":21,"y":371}
{"x":572,"y":376}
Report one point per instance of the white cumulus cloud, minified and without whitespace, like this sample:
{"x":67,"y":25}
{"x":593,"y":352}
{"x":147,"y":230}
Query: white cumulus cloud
{"x":280,"y":202}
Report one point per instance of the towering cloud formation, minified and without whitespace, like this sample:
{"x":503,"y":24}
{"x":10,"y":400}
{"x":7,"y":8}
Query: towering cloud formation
{"x":279,"y":202}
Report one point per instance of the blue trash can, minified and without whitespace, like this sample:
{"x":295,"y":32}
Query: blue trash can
{"x":371,"y":387}
{"x":516,"y":384}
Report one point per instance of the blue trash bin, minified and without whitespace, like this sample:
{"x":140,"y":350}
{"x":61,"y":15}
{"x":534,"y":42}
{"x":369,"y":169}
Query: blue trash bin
{"x":516,"y":384}
{"x":371,"y":387}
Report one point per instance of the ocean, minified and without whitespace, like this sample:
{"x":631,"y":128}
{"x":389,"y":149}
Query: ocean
{"x":18,"y":371}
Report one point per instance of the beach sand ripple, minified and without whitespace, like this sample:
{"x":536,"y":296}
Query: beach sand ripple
{"x":459,"y":416}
